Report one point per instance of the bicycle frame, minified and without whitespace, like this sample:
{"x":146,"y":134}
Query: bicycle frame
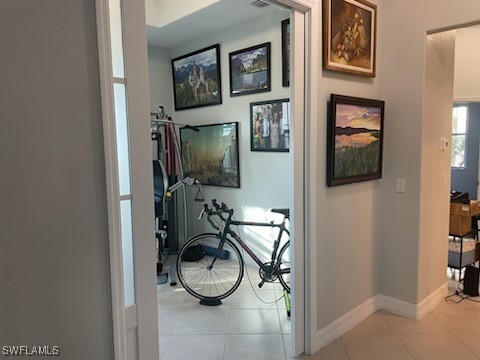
{"x":218,"y":276}
{"x":238,"y":239}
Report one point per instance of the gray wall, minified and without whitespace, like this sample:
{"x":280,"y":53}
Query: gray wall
{"x":465,"y":180}
{"x":54,"y":272}
{"x":160,"y":76}
{"x":414,"y":224}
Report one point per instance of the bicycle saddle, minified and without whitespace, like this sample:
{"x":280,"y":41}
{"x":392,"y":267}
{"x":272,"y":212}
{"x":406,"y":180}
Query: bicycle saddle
{"x":285,"y":212}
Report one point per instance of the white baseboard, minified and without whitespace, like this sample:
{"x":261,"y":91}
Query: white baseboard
{"x":413,"y":311}
{"x":347,"y":322}
{"x":354,"y":317}
{"x":398,"y":307}
{"x":429,"y":303}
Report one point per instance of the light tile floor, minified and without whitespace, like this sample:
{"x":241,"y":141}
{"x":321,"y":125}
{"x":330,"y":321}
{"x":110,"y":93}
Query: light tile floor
{"x":245,"y":328}
{"x":450,"y":332}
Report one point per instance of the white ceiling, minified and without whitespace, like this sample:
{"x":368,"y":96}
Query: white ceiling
{"x":214,"y":18}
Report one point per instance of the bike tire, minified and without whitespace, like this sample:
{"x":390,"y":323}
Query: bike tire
{"x":283,"y":261}
{"x":207,"y":282}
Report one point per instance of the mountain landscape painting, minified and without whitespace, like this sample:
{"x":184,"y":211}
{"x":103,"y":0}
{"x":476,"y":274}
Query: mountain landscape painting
{"x":196,"y":79}
{"x":250,"y":70}
{"x":356,"y":137}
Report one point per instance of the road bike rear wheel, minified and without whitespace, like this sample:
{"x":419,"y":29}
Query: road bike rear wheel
{"x":283,"y":262}
{"x":210,"y":278}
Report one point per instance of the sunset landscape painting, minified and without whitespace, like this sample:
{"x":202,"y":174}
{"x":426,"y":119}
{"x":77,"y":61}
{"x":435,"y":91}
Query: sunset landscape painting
{"x":355,"y":140}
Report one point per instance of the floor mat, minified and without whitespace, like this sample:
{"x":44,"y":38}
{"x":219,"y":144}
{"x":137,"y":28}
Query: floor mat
{"x":162,"y":278}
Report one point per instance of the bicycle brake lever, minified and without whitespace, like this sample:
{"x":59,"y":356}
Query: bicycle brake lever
{"x":201,"y":214}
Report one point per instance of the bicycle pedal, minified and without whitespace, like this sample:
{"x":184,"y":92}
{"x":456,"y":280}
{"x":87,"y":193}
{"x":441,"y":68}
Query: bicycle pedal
{"x":261,"y":284}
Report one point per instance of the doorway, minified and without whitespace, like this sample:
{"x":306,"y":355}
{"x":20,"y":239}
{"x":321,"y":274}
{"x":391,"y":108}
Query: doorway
{"x":259,"y":171}
{"x":465,"y":139}
{"x":141,"y":342}
{"x":444,"y":56}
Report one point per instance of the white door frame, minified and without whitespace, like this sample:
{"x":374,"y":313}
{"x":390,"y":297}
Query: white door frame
{"x":305,"y":47}
{"x":112,"y":180}
{"x":305,"y":27}
{"x":135,"y":328}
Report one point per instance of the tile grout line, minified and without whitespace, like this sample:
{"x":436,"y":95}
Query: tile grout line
{"x":225,"y":347}
{"x":279,"y":319}
{"x":396,"y":335}
{"x":161,"y":353}
{"x":344,"y":347}
{"x":455,"y":336}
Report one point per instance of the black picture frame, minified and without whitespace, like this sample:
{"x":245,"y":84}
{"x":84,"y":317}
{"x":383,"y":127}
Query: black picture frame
{"x":267,"y":134}
{"x":197,"y":79}
{"x":286,"y":53}
{"x":354,"y":139}
{"x":250,"y":70}
{"x":211,"y":155}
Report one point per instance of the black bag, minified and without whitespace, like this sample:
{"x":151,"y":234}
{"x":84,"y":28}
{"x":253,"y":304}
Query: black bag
{"x":193,"y":253}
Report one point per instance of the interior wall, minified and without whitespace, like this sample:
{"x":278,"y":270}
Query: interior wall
{"x":264,"y":179}
{"x":160,"y":77}
{"x":53,"y":226}
{"x":348,"y":215}
{"x":162,"y":12}
{"x":402,"y":61}
{"x":467,"y":71}
{"x":435,"y":187}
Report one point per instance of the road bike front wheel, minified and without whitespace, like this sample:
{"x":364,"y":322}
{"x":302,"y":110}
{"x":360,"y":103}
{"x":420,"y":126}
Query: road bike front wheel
{"x":283,"y":262}
{"x":214,"y":273}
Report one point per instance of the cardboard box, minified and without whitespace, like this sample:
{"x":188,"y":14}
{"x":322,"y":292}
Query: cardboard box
{"x":465,"y":209}
{"x":461,"y":217}
{"x":460,"y":225}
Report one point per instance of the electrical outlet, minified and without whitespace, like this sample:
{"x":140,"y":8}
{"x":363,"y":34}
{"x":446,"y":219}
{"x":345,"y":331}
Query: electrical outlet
{"x":400,"y":186}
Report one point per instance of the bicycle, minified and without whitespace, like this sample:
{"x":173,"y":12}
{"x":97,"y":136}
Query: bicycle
{"x":219,"y":271}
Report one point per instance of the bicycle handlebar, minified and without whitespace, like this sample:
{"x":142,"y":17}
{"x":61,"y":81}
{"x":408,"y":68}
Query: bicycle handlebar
{"x":219,"y":211}
{"x":212,"y":223}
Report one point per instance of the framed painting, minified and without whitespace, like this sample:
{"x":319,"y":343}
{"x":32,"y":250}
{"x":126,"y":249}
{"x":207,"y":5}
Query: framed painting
{"x":355,"y":140}
{"x":286,"y":52}
{"x":270,"y":125}
{"x":250,"y":70}
{"x":211,"y":155}
{"x":196,"y":79}
{"x":349,"y":36}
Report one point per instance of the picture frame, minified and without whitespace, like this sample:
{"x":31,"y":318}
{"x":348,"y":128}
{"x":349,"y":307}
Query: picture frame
{"x":197,"y":79}
{"x":270,"y":125}
{"x":211,"y":155}
{"x":250,"y":70}
{"x":349,"y":36}
{"x":286,"y":53}
{"x":354,"y":139}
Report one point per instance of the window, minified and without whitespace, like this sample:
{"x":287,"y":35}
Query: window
{"x":459,"y":136}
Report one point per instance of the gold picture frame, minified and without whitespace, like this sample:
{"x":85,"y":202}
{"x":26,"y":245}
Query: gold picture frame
{"x":349,"y":36}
